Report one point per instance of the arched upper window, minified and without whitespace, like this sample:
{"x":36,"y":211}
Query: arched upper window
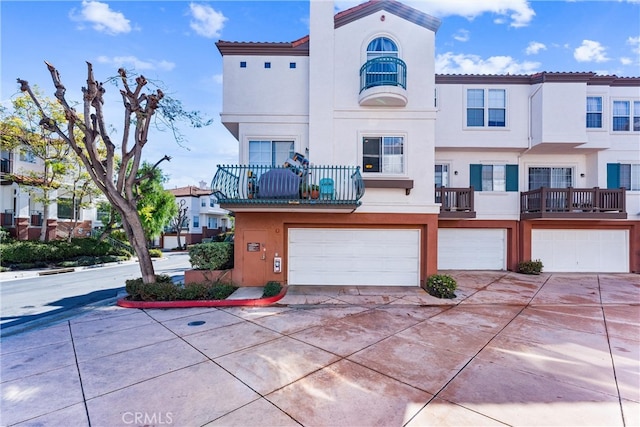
{"x":381,"y":46}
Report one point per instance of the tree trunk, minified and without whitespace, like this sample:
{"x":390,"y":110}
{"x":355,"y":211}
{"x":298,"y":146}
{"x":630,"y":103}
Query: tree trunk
{"x":178,"y":236}
{"x":45,"y":217}
{"x":133,"y":228}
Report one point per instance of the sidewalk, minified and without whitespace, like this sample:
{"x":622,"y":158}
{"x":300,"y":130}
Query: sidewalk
{"x":554,"y":349}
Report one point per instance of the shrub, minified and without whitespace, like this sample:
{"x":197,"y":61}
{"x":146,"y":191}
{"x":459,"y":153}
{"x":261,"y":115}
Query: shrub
{"x":4,"y":235}
{"x":211,"y":256}
{"x":441,"y":286}
{"x":530,"y":267}
{"x":155,"y":253}
{"x":220,"y":291}
{"x":162,"y":290}
{"x":271,"y":289}
{"x":29,"y":251}
{"x":195,"y":291}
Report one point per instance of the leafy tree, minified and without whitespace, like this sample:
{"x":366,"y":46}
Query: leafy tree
{"x":156,"y":206}
{"x":88,"y":136}
{"x":61,"y":171}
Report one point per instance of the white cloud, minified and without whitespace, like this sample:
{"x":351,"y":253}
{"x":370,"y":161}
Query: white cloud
{"x":450,"y":63}
{"x":206,"y":21}
{"x":635,"y":42}
{"x":626,"y":61}
{"x":136,"y":63}
{"x":217,"y":78}
{"x":517,"y":12}
{"x":461,"y":35}
{"x":590,"y":51}
{"x":102,"y":18}
{"x":534,"y":48}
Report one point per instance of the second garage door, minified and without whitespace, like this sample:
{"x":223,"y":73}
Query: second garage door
{"x":337,"y":256}
{"x":472,"y":248}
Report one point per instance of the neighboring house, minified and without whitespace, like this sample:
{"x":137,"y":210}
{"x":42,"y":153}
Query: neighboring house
{"x":22,"y":214}
{"x":204,"y":220}
{"x":419,"y":172}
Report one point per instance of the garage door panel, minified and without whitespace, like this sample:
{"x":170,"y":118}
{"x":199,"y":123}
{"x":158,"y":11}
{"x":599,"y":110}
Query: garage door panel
{"x":354,"y":257}
{"x":577,"y":250}
{"x":471,"y":249}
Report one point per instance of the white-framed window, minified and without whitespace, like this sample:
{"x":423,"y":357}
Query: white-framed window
{"x":270,"y":153}
{"x":626,"y":116}
{"x":486,"y":108}
{"x":203,"y":202}
{"x":494,"y":178}
{"x":594,"y":112}
{"x":630,"y":176}
{"x":212,"y":223}
{"x":441,"y":177}
{"x":27,"y":156}
{"x":196,"y":221}
{"x":550,"y":177}
{"x":212,"y":202}
{"x":383,"y":154}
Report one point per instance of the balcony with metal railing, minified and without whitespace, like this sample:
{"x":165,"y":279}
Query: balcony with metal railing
{"x":455,"y":203}
{"x":383,"y":82}
{"x":254,"y":187}
{"x":587,"y":203}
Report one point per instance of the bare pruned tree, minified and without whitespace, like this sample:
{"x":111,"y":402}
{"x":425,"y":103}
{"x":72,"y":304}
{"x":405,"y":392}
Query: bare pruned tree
{"x":114,"y":171}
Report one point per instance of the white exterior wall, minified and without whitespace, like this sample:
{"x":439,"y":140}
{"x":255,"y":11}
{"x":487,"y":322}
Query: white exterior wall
{"x":415,"y":122}
{"x":451,"y":125}
{"x":563,"y":112}
{"x":291,"y":128}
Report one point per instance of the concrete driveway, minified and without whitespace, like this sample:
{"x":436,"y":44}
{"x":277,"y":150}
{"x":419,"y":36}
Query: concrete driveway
{"x":554,"y":349}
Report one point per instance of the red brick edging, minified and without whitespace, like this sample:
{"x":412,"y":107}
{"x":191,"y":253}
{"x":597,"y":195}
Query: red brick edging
{"x":124,"y":302}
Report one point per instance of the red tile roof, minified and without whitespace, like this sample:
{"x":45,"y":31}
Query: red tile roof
{"x":190,"y":191}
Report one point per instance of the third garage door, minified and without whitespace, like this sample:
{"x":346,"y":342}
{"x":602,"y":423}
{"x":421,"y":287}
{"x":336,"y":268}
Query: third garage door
{"x":605,"y":251}
{"x":341,"y":256}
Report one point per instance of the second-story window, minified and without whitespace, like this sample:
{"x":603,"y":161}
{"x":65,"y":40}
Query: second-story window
{"x":486,"y":108}
{"x":594,"y":112}
{"x":550,"y":177}
{"x":270,"y":153}
{"x":203,"y":202}
{"x":383,"y":154}
{"x":196,"y":221}
{"x":626,"y":113}
{"x":382,"y":68}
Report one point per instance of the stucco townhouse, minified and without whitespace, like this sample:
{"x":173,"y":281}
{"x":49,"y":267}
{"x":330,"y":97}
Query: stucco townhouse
{"x":414,"y":172}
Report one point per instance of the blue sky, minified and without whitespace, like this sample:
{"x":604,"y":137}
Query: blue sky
{"x":173,"y":42}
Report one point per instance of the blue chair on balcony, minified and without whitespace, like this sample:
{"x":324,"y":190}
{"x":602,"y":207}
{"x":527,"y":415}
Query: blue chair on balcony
{"x":327,"y":191}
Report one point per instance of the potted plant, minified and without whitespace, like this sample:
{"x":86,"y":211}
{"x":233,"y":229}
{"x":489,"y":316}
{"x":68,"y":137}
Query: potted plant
{"x":309,"y":191}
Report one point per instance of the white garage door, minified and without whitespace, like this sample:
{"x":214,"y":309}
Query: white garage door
{"x":605,"y":251}
{"x":334,"y":256}
{"x":171,"y":242}
{"x":472,"y":249}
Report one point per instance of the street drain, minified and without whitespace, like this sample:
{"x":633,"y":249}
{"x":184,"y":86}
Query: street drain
{"x":196,"y":323}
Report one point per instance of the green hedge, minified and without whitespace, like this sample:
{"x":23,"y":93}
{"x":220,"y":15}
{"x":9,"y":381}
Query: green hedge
{"x":211,"y":256}
{"x":165,"y":290}
{"x":28,"y":251}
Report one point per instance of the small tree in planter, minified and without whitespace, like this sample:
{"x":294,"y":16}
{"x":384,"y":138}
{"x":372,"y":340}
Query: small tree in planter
{"x":441,"y":286}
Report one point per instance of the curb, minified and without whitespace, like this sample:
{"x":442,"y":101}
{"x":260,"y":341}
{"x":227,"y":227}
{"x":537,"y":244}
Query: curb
{"x":123,"y":302}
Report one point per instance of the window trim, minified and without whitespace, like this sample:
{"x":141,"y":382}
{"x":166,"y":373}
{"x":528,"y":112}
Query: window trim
{"x":383,"y":135}
{"x":486,"y":108}
{"x":573,"y":168}
{"x":633,"y":113}
{"x":263,"y":138}
{"x":603,"y":123}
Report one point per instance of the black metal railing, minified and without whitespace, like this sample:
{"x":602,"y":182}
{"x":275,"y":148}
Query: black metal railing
{"x":277,"y":185}
{"x":383,"y":71}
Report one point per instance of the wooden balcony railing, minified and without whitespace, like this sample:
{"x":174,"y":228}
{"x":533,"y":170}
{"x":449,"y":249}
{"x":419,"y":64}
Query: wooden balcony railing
{"x":280,"y":186}
{"x":455,"y":202}
{"x":573,"y":203}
